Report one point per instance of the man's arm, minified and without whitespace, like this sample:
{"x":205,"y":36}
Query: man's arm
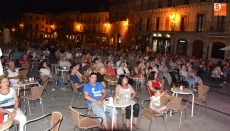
{"x":103,"y":84}
{"x":87,"y":97}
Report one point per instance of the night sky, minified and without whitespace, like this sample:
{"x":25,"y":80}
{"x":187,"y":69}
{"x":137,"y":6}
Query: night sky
{"x":10,"y":10}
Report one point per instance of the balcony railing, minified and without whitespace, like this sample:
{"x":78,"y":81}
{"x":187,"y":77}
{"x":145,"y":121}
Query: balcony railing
{"x":187,"y":27}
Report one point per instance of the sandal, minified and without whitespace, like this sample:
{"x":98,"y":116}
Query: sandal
{"x":127,"y":128}
{"x":136,"y":126}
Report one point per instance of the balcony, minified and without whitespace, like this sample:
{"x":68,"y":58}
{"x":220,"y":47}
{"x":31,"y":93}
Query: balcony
{"x":211,"y":27}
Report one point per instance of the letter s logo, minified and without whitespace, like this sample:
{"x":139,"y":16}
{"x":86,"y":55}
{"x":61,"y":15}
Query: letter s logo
{"x":217,"y":6}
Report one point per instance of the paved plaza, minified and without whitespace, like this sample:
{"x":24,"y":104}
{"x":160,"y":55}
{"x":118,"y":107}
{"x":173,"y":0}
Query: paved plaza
{"x":217,"y":99}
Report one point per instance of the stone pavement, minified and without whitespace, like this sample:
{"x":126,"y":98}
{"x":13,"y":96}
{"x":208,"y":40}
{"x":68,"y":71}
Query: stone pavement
{"x":218,"y":99}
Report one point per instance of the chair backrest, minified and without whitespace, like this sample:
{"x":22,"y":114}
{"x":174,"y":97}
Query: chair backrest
{"x":24,"y":73}
{"x":45,"y":80}
{"x":174,"y":103}
{"x":75,"y":115}
{"x":202,"y":90}
{"x":164,"y":99}
{"x":149,"y":91}
{"x":26,"y":66}
{"x":36,"y":92}
{"x":55,"y":121}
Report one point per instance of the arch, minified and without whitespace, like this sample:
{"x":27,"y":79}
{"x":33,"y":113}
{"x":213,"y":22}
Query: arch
{"x":216,"y":52}
{"x":197,"y":49}
{"x":181,"y":47}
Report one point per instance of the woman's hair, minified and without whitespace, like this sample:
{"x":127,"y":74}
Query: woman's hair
{"x":41,"y":65}
{"x":121,"y":77}
{"x":121,"y":63}
{"x":138,"y":62}
{"x":11,"y":62}
{"x":152,"y":75}
{"x":2,"y":77}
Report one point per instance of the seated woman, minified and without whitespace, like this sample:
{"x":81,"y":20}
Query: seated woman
{"x":23,"y":60}
{"x":122,"y":70}
{"x":13,"y":74}
{"x":184,"y":73}
{"x":153,"y":83}
{"x":75,"y":78}
{"x":219,"y":74}
{"x":109,"y":70}
{"x":45,"y":70}
{"x":9,"y":103}
{"x":155,"y":104}
{"x":139,"y":71}
{"x":64,"y":63}
{"x":192,"y":74}
{"x":123,"y":89}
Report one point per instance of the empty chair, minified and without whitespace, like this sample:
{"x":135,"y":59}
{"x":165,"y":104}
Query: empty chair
{"x":202,"y":93}
{"x":24,"y":73}
{"x":147,"y":113}
{"x":56,"y":118}
{"x":75,"y":92}
{"x":83,"y":122}
{"x":175,"y":105}
{"x":26,"y":66}
{"x":36,"y":93}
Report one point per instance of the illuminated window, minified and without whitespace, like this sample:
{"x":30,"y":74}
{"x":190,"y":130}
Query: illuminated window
{"x":45,"y":35}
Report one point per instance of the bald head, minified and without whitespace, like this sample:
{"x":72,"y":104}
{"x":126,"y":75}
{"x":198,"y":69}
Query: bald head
{"x":102,"y":70}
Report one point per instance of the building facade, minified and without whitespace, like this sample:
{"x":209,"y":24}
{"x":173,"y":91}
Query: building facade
{"x":121,"y":16}
{"x":182,"y":27}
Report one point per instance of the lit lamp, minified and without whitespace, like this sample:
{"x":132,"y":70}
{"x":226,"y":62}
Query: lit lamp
{"x":126,"y":23}
{"x":13,"y":29}
{"x":106,"y":25}
{"x":172,"y":18}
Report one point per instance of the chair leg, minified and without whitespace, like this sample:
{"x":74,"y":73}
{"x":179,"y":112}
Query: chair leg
{"x":42,"y":105}
{"x":205,"y":106}
{"x":28,"y":104}
{"x":150,"y":124}
{"x":180,"y":118}
{"x":185,"y":114}
{"x":156,"y":120}
{"x":72,"y":98}
{"x":198,"y":110}
{"x":75,"y":128}
{"x":164,"y":122}
{"x":122,"y":119}
{"x":78,"y":98}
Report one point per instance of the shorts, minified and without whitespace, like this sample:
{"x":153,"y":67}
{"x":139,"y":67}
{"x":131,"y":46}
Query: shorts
{"x":100,"y":110}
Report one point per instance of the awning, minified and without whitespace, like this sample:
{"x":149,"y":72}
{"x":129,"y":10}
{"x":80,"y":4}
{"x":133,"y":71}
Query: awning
{"x":225,"y":48}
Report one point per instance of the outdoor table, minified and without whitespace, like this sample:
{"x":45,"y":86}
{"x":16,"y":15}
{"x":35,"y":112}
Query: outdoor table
{"x":62,"y":72}
{"x":53,"y":68}
{"x":6,"y":125}
{"x":122,"y":104}
{"x":26,"y":83}
{"x":137,"y":79}
{"x":177,"y":91}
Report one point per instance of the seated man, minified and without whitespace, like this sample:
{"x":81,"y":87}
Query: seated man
{"x":76,"y":81}
{"x":94,"y":93}
{"x":164,"y":70}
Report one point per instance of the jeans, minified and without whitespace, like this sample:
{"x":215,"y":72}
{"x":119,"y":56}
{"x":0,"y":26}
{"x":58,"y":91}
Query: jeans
{"x":59,"y":80}
{"x":100,"y":110}
{"x":20,"y":116}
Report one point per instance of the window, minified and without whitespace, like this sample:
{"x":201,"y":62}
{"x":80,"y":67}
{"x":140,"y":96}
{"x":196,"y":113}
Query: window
{"x":89,"y":20}
{"x":159,"y":3}
{"x":169,"y":3}
{"x":200,"y":18}
{"x":183,"y":23}
{"x":30,"y":17}
{"x":181,"y":47}
{"x":105,"y":20}
{"x":81,"y":20}
{"x":148,"y":24}
{"x":99,"y":20}
{"x":30,"y":26}
{"x":89,"y":28}
{"x":46,"y":21}
{"x":36,"y":28}
{"x":94,"y":29}
{"x":37,"y":18}
{"x":157,"y":24}
{"x":142,"y":5}
{"x":140,"y":24}
{"x":220,"y":23}
{"x":42,"y":18}
{"x":116,"y":16}
{"x":216,"y":52}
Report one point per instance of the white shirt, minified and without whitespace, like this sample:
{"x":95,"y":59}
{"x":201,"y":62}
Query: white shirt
{"x":156,"y":100}
{"x":8,"y":99}
{"x":45,"y":71}
{"x":120,"y":71}
{"x":68,"y":55}
{"x":79,"y":54}
{"x":63,"y":64}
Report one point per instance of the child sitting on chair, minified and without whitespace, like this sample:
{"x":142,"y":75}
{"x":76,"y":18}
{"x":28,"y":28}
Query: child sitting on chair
{"x":155,"y":104}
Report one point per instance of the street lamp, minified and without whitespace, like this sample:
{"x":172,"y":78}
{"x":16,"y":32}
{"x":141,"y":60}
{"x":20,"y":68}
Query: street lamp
{"x":22,"y":25}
